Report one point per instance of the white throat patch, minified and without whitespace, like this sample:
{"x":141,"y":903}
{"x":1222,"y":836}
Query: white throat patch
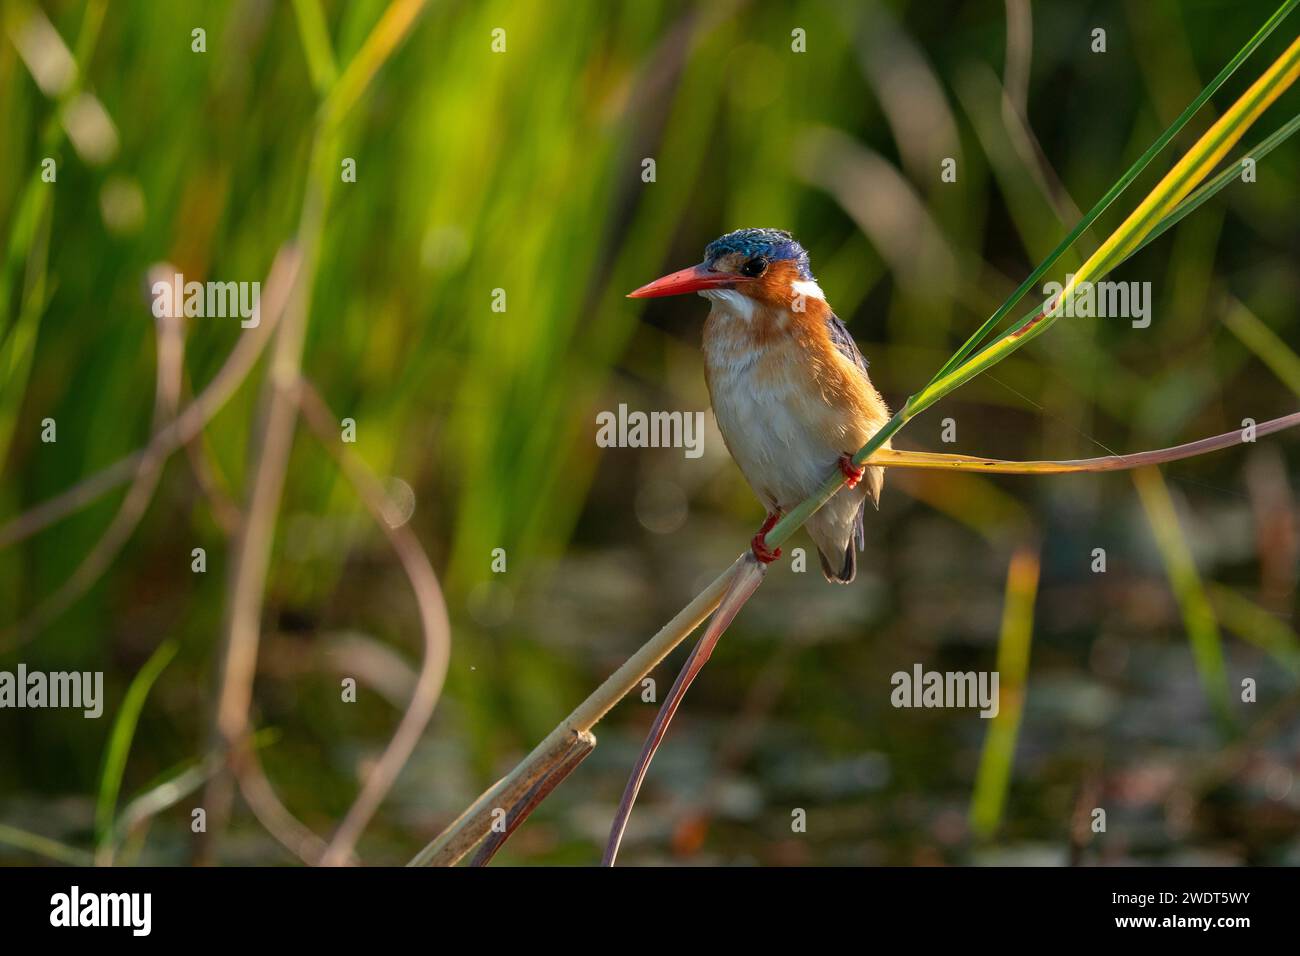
{"x":729,"y":300}
{"x":807,"y":288}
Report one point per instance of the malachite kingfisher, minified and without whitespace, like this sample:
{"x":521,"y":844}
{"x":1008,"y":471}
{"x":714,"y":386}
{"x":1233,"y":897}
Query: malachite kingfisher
{"x":789,"y":387}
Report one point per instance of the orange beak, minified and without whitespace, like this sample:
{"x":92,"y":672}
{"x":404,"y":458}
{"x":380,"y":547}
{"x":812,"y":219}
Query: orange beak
{"x":688,"y":280}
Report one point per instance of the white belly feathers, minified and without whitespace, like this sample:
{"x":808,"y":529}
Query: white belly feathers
{"x":761,"y":398}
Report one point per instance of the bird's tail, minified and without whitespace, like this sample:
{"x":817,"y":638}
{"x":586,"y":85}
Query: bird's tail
{"x":842,"y":568}
{"x":838,"y":529}
{"x":840,"y":565}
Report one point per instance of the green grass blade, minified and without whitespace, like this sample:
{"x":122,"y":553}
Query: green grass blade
{"x":1266,"y":344}
{"x":1198,"y":616}
{"x":27,"y":247}
{"x":993,"y":778}
{"x":168,"y":789}
{"x":316,"y":44}
{"x":119,"y":741}
{"x":1257,"y":626}
{"x":43,"y":846}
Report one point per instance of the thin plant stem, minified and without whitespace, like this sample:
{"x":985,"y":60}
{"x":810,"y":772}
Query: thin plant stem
{"x":745,"y":582}
{"x":170,"y":363}
{"x":895,"y":458}
{"x":476,"y":821}
{"x":250,"y":562}
{"x":583,"y":744}
{"x":251,"y":554}
{"x":191,"y":420}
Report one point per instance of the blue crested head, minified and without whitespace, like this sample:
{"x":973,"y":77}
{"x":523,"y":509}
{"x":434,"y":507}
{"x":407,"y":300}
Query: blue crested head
{"x":737,"y":262}
{"x":774,"y":245}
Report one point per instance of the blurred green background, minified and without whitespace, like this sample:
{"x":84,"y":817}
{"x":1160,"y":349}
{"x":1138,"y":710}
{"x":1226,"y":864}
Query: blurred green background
{"x":522,"y":170}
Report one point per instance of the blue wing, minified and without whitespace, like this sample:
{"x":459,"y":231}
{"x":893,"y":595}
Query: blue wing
{"x":843,"y":341}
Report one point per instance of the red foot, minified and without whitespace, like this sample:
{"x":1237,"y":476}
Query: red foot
{"x":852,"y":473}
{"x":759,"y":544}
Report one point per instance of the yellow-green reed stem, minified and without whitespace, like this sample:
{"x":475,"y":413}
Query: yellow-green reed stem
{"x":1161,"y":202}
{"x":1142,"y":161}
{"x":388,"y":33}
{"x":1229,"y":174}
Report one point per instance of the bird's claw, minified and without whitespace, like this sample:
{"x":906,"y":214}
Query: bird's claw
{"x":759,"y":542}
{"x":852,"y":473}
{"x":759,"y":546}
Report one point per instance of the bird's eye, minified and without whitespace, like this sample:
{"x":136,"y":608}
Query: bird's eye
{"x":754,"y":268}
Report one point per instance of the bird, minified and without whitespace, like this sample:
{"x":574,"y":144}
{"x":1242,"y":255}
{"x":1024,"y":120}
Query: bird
{"x":790,"y":388}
